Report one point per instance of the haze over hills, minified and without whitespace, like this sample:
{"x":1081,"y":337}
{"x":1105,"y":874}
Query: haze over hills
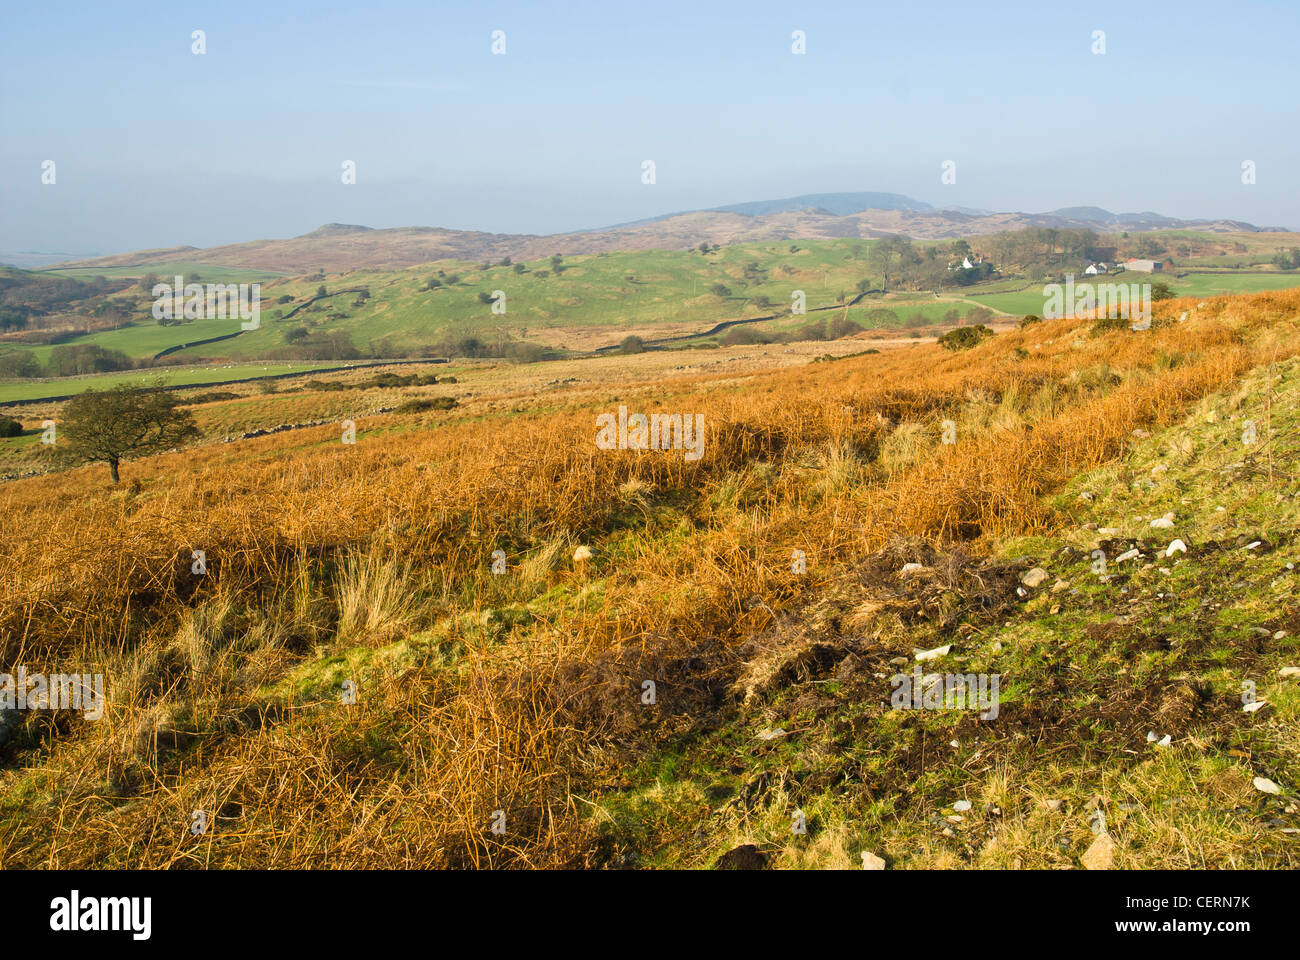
{"x":337,"y":247}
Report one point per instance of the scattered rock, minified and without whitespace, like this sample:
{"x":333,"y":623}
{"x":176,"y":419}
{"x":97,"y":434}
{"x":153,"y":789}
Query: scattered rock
{"x":1162,"y":523}
{"x":872,"y":862}
{"x":767,"y":733}
{"x":1289,"y":672}
{"x":1176,"y":547}
{"x":1055,"y":805}
{"x":1101,"y":854}
{"x":581,"y":554}
{"x":961,"y":806}
{"x":1034,"y":577}
{"x":1265,"y":785}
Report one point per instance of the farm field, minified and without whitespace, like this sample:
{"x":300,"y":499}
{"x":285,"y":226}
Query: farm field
{"x":1030,"y":301}
{"x":12,"y":390}
{"x":497,"y":589}
{"x":587,"y":303}
{"x":168,"y":270}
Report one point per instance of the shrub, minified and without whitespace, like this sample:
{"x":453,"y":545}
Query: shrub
{"x":963,"y":338}
{"x":9,"y":427}
{"x":422,"y":404}
{"x":211,"y":397}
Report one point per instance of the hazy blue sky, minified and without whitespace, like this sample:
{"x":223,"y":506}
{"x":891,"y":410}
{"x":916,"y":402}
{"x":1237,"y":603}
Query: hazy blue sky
{"x":156,"y":146}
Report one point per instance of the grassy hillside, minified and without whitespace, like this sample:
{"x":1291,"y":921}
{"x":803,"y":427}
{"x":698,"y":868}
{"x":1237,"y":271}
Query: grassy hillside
{"x":522,"y":695}
{"x":590,"y":302}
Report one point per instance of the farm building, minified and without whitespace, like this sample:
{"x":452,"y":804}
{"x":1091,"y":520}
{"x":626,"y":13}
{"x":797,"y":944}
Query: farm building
{"x":1095,"y":268}
{"x":1144,"y":266}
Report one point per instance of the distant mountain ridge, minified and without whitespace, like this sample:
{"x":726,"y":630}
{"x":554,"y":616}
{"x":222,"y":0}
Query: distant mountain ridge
{"x":337,"y":247}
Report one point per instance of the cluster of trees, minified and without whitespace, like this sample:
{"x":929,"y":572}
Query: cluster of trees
{"x":67,"y":360}
{"x":14,"y":317}
{"x":902,"y":265}
{"x":1047,"y":249}
{"x":39,"y":293}
{"x":302,"y":343}
{"x":1285,"y":260}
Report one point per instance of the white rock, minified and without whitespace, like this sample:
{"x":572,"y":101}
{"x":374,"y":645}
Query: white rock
{"x":1034,"y":577}
{"x":1265,"y":785}
{"x":1101,"y":854}
{"x":871,"y":862}
{"x":770,"y":734}
{"x":1176,"y":547}
{"x":1289,"y":672}
{"x":961,"y":806}
{"x":1162,"y":523}
{"x":1055,"y":805}
{"x":1127,"y":555}
{"x":934,"y":654}
{"x":1151,"y":736}
{"x":1253,"y":706}
{"x":911,"y":568}
{"x":581,"y":554}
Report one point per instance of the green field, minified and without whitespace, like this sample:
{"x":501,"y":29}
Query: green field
{"x":11,"y":390}
{"x":207,"y":272}
{"x":1192,"y":285}
{"x":144,"y":339}
{"x":649,"y":292}
{"x":616,"y":290}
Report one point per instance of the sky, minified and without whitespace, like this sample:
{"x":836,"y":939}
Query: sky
{"x":154,"y":145}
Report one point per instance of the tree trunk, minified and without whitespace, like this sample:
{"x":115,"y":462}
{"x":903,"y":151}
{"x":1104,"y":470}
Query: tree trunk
{"x":112,"y":470}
